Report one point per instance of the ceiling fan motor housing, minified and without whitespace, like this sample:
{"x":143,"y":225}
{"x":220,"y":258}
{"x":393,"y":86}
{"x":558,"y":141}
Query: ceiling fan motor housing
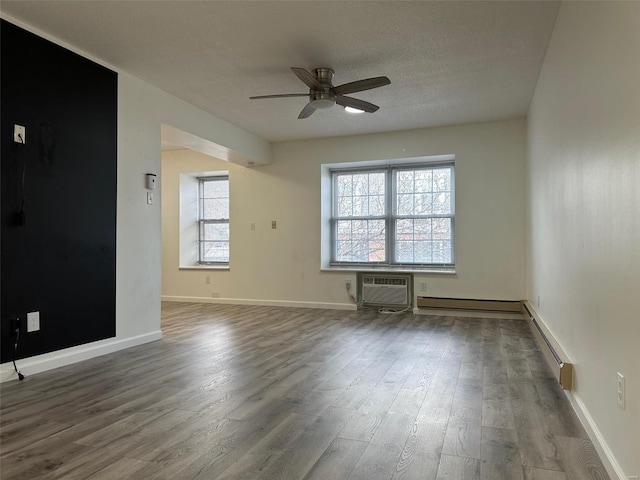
{"x":324,"y":99}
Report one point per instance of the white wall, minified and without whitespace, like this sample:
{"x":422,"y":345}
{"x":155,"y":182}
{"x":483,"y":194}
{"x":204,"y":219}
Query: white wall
{"x":583,"y":211}
{"x":142,"y":109}
{"x":283,"y":265}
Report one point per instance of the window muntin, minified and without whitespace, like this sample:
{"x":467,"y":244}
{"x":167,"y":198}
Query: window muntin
{"x":213,"y":219}
{"x":394,"y":216}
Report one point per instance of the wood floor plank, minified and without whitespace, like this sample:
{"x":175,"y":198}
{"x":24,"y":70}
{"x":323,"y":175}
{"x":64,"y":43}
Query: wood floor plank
{"x":337,"y":460}
{"x":121,"y":468}
{"x":464,"y":428}
{"x":268,"y":450}
{"x":385,"y":448}
{"x":420,"y":456}
{"x":541,"y":474}
{"x":500,"y":455}
{"x":579,"y":459}
{"x":364,"y":424}
{"x":538,"y":449}
{"x":35,"y":464}
{"x":300,"y":457}
{"x":458,"y":468}
{"x":252,"y":392}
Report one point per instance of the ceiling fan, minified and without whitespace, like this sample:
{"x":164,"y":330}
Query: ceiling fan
{"x":322,"y":93}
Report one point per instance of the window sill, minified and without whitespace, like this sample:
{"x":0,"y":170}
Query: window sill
{"x":205,"y":267}
{"x":435,"y":271}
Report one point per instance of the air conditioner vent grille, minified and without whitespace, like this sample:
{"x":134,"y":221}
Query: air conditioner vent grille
{"x":384,"y":281}
{"x":385,"y":290}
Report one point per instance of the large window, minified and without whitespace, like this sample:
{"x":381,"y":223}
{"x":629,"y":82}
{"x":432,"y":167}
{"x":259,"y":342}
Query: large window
{"x":213,"y":219}
{"x":393,"y":216}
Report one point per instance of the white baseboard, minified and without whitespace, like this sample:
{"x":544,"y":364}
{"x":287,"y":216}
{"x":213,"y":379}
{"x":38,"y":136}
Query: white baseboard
{"x":265,"y":303}
{"x":467,"y":313}
{"x":604,"y":452}
{"x":48,"y":361}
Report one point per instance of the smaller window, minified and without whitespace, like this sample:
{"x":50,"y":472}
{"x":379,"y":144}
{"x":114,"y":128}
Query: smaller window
{"x":213,"y":218}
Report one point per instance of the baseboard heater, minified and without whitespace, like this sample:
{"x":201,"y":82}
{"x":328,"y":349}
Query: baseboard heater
{"x":508,"y":306}
{"x":555,"y":357}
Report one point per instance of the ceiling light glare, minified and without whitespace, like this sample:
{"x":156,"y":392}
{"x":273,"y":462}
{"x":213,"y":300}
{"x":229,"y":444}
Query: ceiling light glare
{"x":353,"y":110}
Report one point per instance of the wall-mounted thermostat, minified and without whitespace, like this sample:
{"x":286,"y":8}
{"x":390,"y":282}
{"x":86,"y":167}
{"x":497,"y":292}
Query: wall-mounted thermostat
{"x":151,"y":181}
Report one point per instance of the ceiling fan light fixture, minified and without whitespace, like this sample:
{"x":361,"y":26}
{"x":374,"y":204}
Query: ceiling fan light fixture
{"x":321,"y":100}
{"x":322,"y":103}
{"x":354,"y":111}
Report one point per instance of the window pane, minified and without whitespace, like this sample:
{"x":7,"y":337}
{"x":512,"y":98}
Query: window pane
{"x":377,"y":183}
{"x":423,"y":240}
{"x":360,"y":194}
{"x":215,"y":188}
{"x":360,"y":184}
{"x":423,"y":180}
{"x":405,"y":204}
{"x":441,"y":203}
{"x":215,"y":208}
{"x":215,"y":252}
{"x":215,"y":199}
{"x":360,"y":241}
{"x":424,"y":192}
{"x":423,"y":228}
{"x":214,"y":242}
{"x":442,"y":180}
{"x":376,"y":205}
{"x":404,"y":182}
{"x":344,"y":207}
{"x":360,"y":206}
{"x":216,"y":231}
{"x":423,"y":204}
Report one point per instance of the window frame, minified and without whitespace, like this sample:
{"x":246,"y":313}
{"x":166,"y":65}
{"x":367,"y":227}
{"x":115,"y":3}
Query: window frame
{"x":202,"y":222}
{"x":391,"y":216}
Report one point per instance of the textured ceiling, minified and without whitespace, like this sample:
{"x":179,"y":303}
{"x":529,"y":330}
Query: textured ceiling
{"x":449,"y":62}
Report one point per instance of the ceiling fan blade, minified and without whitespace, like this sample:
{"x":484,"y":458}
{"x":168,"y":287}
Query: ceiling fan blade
{"x":307,"y":111}
{"x":361,"y":85}
{"x":308,"y":78}
{"x":355,"y":103}
{"x":281,"y":95}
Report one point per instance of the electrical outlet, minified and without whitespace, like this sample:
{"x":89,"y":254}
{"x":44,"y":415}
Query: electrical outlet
{"x":347,"y":284}
{"x":33,"y":321}
{"x":207,"y":280}
{"x":273,"y":224}
{"x":620,"y":390}
{"x":253,"y":226}
{"x":423,"y":286}
{"x":215,"y":294}
{"x":19,"y":134}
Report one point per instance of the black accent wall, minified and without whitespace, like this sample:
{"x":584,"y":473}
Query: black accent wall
{"x":58,"y":214}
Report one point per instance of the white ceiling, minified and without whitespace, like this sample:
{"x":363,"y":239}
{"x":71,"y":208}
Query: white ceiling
{"x":449,"y":62}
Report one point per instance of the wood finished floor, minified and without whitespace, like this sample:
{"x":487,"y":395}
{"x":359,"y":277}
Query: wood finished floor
{"x":242,"y":392}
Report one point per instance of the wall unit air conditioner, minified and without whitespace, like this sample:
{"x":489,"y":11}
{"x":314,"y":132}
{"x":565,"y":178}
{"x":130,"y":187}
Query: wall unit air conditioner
{"x":384,"y":290}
